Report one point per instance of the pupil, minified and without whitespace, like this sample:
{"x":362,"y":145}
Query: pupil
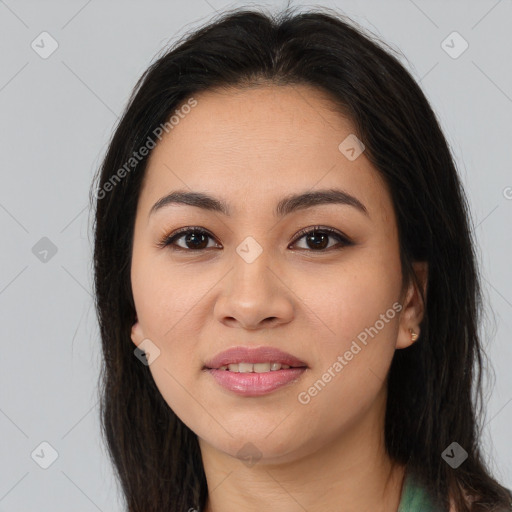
{"x":323,"y":244}
{"x":192,"y":238}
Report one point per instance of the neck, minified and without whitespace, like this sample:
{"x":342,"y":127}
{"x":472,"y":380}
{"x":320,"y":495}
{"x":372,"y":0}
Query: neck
{"x":350,"y":473}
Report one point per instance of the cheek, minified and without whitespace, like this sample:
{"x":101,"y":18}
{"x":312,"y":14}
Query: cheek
{"x":167,"y":301}
{"x":165,"y":314}
{"x":356,"y":313}
{"x":343,"y":300}
{"x":165,"y":295}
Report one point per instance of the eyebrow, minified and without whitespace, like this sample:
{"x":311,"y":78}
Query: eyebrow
{"x":285,"y":206}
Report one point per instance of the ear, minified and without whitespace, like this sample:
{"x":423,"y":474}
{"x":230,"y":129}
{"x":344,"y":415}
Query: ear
{"x":137,"y":334}
{"x":413,"y":307}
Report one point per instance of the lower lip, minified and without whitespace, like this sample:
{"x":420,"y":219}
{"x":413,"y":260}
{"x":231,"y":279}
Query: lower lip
{"x":255,"y":384}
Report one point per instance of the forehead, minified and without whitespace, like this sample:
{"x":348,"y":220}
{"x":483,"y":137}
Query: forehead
{"x":261,"y":143}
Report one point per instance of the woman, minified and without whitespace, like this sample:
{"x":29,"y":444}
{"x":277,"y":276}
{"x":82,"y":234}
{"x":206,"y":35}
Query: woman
{"x":286,"y":283}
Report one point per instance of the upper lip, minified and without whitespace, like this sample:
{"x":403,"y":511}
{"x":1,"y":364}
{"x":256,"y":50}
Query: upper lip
{"x":236,"y":355}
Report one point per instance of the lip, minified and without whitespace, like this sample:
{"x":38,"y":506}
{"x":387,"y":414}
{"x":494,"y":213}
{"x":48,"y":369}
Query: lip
{"x":237,"y":355}
{"x":255,"y":384}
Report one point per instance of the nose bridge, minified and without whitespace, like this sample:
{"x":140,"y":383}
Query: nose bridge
{"x":254,"y":293}
{"x":251,"y":266}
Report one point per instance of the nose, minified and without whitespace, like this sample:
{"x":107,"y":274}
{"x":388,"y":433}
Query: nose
{"x":255,"y":296}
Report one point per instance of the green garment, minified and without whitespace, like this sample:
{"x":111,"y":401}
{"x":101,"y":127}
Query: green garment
{"x":414,"y":497}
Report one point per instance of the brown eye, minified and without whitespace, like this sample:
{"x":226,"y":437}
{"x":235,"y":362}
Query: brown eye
{"x":317,"y":238}
{"x":193,"y":239}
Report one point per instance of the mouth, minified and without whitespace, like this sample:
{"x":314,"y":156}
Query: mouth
{"x":253,"y":372}
{"x":245,"y":359}
{"x":256,"y":367}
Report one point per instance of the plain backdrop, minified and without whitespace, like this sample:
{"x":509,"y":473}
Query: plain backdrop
{"x":57,"y":113}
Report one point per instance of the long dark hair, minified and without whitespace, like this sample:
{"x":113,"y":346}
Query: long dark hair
{"x":435,"y":386}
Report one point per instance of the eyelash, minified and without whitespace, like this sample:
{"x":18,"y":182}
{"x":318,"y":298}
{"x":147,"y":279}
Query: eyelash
{"x":168,"y":240}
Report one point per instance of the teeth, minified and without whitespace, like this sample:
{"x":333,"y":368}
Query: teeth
{"x":244,"y":367}
{"x":254,"y":367}
{"x":261,"y":367}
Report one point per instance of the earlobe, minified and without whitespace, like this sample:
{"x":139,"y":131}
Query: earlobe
{"x":414,"y":307}
{"x":406,"y":337}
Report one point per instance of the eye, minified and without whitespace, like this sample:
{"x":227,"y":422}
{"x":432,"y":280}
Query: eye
{"x":196,"y":239}
{"x":319,"y":236}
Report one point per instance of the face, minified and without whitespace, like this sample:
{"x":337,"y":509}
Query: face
{"x":318,"y":279}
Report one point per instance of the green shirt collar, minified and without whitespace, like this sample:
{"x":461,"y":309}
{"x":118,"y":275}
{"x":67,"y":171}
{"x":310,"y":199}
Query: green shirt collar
{"x":415,"y":497}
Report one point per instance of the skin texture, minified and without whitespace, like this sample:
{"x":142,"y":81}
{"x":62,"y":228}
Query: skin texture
{"x":250,"y":148}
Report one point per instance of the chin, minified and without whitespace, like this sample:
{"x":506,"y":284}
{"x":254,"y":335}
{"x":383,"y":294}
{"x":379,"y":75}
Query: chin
{"x":258,"y":446}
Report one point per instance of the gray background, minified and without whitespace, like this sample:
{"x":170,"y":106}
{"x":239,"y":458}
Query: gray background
{"x":56,"y":118}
